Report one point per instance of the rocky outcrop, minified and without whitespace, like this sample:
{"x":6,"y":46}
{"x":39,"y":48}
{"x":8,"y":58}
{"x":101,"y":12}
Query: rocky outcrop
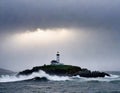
{"x":37,"y":79}
{"x":65,"y":70}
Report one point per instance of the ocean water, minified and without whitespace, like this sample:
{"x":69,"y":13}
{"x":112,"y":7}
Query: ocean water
{"x":56,"y":84}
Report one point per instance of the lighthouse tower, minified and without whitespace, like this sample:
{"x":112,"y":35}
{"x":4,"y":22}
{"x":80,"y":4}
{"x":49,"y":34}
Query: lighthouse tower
{"x":58,"y":57}
{"x":57,"y":61}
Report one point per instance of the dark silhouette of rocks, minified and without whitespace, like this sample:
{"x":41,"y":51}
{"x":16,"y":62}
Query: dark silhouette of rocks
{"x":65,"y":70}
{"x":38,"y":79}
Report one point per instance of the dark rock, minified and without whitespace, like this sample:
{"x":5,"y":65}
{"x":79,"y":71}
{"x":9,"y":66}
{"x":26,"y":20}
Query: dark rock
{"x":40,"y":79}
{"x":37,"y":79}
{"x":92,"y":74}
{"x":64,"y":70}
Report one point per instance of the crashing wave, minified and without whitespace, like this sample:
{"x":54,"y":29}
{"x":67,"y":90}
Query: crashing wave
{"x":14,"y":78}
{"x":44,"y":76}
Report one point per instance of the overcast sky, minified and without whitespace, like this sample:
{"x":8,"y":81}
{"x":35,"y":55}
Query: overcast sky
{"x":85,"y":32}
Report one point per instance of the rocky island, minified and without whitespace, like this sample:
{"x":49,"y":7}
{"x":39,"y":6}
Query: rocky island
{"x":59,"y":69}
{"x":64,"y":70}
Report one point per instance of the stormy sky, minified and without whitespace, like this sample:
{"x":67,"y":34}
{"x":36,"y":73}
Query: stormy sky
{"x":85,"y":32}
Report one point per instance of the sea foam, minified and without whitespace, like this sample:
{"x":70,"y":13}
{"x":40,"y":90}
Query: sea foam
{"x":15,"y":78}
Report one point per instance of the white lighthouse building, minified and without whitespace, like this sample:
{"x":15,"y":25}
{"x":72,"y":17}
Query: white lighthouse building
{"x":57,"y":61}
{"x":58,"y":57}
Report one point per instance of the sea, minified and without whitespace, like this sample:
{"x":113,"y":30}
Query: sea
{"x":59,"y":84}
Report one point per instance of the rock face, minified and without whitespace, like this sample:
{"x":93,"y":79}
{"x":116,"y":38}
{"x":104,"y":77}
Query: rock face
{"x":65,"y":70}
{"x":37,"y":79}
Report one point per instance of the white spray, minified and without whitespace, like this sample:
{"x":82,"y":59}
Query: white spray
{"x":14,"y":78}
{"x":7,"y":78}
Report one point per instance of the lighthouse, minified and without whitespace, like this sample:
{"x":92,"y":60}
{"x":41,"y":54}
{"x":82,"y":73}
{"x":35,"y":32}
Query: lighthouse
{"x":58,"y":57}
{"x":57,"y":61}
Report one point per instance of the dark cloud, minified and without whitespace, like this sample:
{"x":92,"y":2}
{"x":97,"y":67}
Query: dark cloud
{"x":29,"y":14}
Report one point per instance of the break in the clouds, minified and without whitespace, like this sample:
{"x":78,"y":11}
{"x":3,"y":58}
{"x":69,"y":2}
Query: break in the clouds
{"x":86,"y":32}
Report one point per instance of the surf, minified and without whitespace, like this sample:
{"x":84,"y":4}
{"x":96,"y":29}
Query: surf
{"x":41,"y":74}
{"x":14,"y":78}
